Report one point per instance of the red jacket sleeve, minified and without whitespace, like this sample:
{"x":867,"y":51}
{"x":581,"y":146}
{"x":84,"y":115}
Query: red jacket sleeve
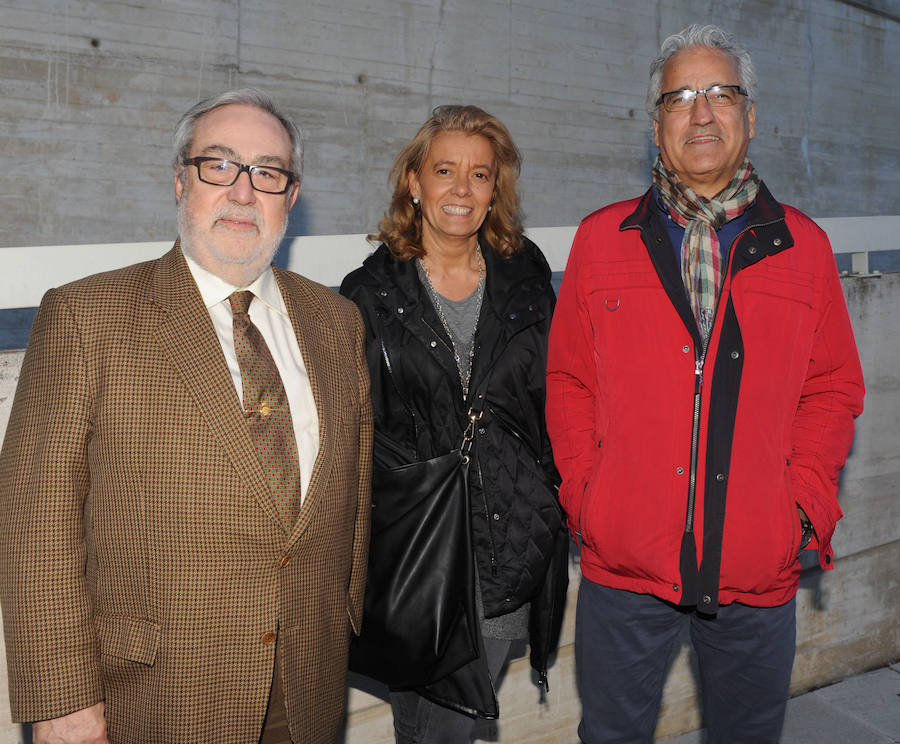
{"x":571,"y":383}
{"x":831,"y":398}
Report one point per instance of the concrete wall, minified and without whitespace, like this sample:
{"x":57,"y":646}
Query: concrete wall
{"x":91,"y":90}
{"x":848,"y":619}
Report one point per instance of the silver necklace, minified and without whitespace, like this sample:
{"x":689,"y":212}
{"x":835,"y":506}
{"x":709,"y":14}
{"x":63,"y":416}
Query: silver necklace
{"x":465,"y":369}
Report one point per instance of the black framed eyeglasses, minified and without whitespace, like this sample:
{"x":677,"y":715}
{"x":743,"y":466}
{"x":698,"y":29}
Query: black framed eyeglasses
{"x":716,"y":95}
{"x":221,"y":172}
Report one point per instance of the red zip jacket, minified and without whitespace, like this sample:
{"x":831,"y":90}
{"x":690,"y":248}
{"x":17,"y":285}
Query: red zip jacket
{"x":682,"y":474}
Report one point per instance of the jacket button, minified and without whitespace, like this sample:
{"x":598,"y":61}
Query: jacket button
{"x":512,"y":316}
{"x":400,"y":310}
{"x":481,"y":430}
{"x":675,"y":587}
{"x":827,"y":560}
{"x":433,"y":344}
{"x":531,"y":307}
{"x":383,"y":293}
{"x":752,"y":250}
{"x":285,"y":560}
{"x":720,"y":477}
{"x":268,"y":638}
{"x":496,"y":517}
{"x":685,"y":348}
{"x":735,"y":354}
{"x":680,"y":471}
{"x":706,"y":599}
{"x":776,"y":242}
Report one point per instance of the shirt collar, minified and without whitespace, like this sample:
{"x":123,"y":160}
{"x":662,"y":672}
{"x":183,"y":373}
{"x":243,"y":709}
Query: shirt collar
{"x":660,"y":204}
{"x":214,"y":289}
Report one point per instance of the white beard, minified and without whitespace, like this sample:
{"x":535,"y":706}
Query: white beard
{"x":203,"y":246}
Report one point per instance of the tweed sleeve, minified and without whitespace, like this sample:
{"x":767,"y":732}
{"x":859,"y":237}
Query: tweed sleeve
{"x":363,"y":509}
{"x":44,"y":480}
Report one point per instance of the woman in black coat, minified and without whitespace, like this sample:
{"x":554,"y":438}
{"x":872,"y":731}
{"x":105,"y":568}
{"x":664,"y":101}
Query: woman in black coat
{"x":457,"y":305}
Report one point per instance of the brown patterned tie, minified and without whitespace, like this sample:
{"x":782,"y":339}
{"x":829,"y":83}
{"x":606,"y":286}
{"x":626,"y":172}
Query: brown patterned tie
{"x":267,"y":411}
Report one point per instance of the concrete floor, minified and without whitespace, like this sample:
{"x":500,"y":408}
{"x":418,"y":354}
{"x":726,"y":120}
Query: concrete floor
{"x":864,"y":709}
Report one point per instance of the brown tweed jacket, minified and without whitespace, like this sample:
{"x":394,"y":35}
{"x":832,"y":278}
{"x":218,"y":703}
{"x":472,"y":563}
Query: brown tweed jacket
{"x":142,"y":559}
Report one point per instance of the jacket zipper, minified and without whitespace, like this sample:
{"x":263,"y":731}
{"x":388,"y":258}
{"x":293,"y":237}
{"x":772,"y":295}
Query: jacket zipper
{"x":699,"y":362}
{"x":695,"y":439}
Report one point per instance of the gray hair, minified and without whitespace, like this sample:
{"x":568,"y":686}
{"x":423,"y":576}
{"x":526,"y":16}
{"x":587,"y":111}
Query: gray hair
{"x":184,"y":130}
{"x":711,"y":37}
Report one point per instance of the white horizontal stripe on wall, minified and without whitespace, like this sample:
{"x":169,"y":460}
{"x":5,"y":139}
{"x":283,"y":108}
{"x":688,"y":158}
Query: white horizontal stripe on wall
{"x":26,"y":273}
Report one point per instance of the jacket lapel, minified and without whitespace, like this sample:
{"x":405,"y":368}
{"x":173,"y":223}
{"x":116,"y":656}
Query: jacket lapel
{"x":512,"y":284}
{"x":188,"y":339}
{"x":316,"y":339}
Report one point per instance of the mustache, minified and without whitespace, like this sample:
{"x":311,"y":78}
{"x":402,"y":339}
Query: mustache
{"x":707,"y":131}
{"x":238,"y":212}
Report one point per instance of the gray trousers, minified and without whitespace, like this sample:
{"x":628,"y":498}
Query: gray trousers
{"x":419,"y":721}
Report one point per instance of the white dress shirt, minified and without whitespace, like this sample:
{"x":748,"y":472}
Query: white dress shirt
{"x":269,"y":314}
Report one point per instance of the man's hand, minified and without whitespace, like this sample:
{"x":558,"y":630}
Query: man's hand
{"x":86,"y":726}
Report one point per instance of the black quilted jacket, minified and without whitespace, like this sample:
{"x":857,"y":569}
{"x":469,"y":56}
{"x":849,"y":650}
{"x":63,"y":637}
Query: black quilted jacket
{"x":419,"y":411}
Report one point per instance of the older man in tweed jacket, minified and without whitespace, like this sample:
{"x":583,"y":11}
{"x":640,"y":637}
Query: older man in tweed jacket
{"x":152,"y":590}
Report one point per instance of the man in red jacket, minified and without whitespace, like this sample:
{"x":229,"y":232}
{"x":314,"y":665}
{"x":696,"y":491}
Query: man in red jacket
{"x":702,"y":385}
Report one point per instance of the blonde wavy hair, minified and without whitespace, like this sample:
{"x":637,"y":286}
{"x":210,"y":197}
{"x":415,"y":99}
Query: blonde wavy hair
{"x":401,"y":227}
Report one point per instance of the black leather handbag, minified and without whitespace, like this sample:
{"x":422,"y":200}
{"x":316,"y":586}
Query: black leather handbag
{"x":419,"y":623}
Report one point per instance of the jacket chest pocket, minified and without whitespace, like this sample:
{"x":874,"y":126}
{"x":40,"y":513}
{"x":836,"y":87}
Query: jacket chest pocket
{"x":625,"y":299}
{"x":776,"y":311}
{"x":777,"y":288}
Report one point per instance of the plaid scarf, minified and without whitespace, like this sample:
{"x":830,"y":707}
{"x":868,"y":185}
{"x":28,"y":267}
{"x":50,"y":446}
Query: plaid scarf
{"x":701,"y":260}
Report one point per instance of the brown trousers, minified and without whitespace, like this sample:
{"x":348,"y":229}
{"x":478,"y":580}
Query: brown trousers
{"x":275,"y":728}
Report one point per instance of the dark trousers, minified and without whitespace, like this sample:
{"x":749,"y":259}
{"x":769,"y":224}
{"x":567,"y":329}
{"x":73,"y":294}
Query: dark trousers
{"x":419,"y":721}
{"x":623,"y":646}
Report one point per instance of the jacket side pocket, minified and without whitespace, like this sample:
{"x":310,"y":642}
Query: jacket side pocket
{"x":128,"y":638}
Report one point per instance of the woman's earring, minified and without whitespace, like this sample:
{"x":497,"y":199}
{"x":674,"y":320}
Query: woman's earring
{"x":490,"y":207}
{"x":415,"y":201}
